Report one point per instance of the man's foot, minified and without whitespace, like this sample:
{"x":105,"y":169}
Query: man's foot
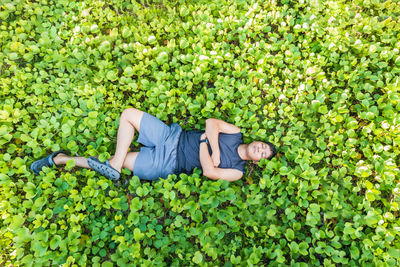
{"x":37,"y":166}
{"x":114,"y":165}
{"x":104,"y":168}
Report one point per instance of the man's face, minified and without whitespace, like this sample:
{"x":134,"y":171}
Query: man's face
{"x":258,"y":150}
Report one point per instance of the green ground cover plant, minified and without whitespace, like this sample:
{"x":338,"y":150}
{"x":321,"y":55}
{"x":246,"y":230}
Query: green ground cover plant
{"x":320,"y":79}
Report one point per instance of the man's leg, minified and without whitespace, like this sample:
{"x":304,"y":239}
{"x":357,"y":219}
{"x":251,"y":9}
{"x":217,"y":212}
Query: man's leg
{"x":61,"y":159}
{"x":129,"y":121}
{"x":129,"y":161}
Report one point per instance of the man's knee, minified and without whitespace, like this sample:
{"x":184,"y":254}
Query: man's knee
{"x":133,"y":115}
{"x":130,"y":113}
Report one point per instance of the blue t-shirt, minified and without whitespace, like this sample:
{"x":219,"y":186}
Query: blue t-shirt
{"x":188,"y":151}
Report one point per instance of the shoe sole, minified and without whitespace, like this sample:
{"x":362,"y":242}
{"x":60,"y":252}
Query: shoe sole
{"x":103,"y":168}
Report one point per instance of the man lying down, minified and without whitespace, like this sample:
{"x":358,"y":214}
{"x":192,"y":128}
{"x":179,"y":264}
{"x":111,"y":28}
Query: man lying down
{"x":218,"y":150}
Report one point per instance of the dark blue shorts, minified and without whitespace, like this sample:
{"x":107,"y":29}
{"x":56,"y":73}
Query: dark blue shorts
{"x":158,"y":157}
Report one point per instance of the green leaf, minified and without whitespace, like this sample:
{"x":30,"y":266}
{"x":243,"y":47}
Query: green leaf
{"x":94,"y":28}
{"x":323,"y":109}
{"x":38,"y":247}
{"x":133,"y":218}
{"x":289,"y":234}
{"x":138,"y":235}
{"x":294,"y":247}
{"x":371,"y":219}
{"x":162,"y":58}
{"x":284,"y":170}
{"x":128,"y":71}
{"x":23,"y":234}
{"x":152,"y":39}
{"x":136,"y":204}
{"x":395,"y":253}
{"x":72,"y":146}
{"x":107,"y":264}
{"x":93,"y":114}
{"x":70,"y":164}
{"x":197,"y":258}
{"x":235,"y":260}
{"x":183,"y":44}
{"x":352,"y":124}
{"x":363,"y":171}
{"x":39,"y":203}
{"x":303,"y":248}
{"x":197,"y":216}
{"x":17,"y":221}
{"x":13,"y":56}
{"x":126,"y":32}
{"x":103,"y":252}
{"x":368,"y":185}
{"x":139,"y":191}
{"x":55,"y":241}
{"x":66,"y":129}
{"x":103,"y":184}
{"x":27,"y":260}
{"x":112,"y":75}
{"x":134,"y":182}
{"x":355,"y":252}
{"x":314,"y":207}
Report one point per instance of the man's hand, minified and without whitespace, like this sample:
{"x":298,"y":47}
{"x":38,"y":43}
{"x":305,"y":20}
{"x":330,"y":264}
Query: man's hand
{"x":215,"y":155}
{"x":216,"y":159}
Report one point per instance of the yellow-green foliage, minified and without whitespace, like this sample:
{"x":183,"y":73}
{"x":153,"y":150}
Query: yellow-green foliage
{"x":319,"y":79}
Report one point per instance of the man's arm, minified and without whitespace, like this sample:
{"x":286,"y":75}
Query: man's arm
{"x":212,"y":172}
{"x":213,"y":128}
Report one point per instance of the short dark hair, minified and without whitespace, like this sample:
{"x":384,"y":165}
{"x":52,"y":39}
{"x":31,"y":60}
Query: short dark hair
{"x":273,"y":150}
